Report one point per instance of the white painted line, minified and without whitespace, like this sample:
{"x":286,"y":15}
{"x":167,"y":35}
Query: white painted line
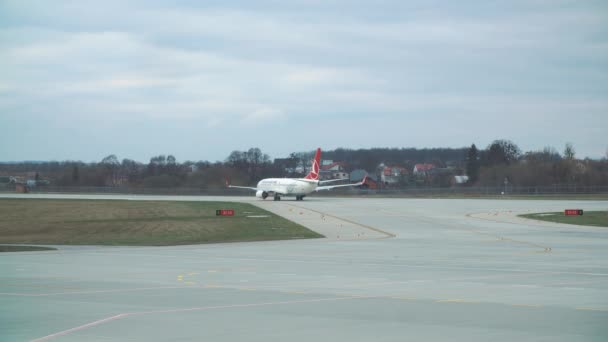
{"x":78,"y":328}
{"x":204,"y":308}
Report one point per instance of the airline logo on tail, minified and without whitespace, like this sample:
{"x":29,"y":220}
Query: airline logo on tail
{"x":314,"y":173}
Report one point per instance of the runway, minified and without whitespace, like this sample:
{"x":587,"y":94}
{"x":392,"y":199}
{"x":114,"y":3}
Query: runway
{"x":389,"y":270}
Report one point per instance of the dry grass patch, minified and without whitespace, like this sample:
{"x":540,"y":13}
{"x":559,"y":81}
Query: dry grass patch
{"x":157,"y":223}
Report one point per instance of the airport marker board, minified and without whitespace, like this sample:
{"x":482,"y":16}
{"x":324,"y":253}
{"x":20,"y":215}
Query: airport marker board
{"x":224,"y":212}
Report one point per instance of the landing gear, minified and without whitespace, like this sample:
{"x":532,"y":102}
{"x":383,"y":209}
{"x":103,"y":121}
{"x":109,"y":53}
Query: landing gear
{"x":299,"y":198}
{"x":264,"y":195}
{"x":277,"y":197}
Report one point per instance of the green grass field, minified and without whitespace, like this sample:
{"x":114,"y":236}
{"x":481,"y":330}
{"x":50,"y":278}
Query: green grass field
{"x":4,"y":248}
{"x":590,"y":218}
{"x":138,"y":223}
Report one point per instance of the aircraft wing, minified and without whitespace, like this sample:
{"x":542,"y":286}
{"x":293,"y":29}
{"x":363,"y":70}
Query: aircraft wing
{"x":243,"y":187}
{"x":329,"y":187}
{"x":331,"y":181}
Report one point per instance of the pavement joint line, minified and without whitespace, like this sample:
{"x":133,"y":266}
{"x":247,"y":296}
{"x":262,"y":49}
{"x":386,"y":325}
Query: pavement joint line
{"x":421,"y":266}
{"x":91,"y":292}
{"x":498,"y":238}
{"x":546,"y":249}
{"x":377,"y":230}
{"x":170,"y":311}
{"x":584,"y":308}
{"x":403,"y":298}
{"x":530,"y":222}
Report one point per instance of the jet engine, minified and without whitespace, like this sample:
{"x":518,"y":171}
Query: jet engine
{"x":261,"y":194}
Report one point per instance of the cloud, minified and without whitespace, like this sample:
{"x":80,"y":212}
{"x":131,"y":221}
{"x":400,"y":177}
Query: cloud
{"x":266,"y":64}
{"x":263,"y":115}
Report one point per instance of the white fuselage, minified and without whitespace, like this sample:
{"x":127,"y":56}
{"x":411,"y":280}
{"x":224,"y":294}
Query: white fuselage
{"x":288,"y":186}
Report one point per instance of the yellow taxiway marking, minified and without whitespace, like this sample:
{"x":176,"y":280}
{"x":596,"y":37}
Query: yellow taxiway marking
{"x":192,"y":273}
{"x":190,"y":283}
{"x":528,"y":305}
{"x":455,"y":301}
{"x":403,"y":298}
{"x":388,"y":235}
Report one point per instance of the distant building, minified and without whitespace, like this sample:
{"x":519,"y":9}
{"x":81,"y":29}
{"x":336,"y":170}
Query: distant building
{"x":335,"y":170}
{"x":392,"y":174}
{"x":459,"y":180}
{"x":422,"y":170}
{"x":334,"y":166}
{"x":21,"y":188}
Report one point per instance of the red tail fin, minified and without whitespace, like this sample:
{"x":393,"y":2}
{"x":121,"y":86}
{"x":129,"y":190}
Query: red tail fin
{"x":314,"y":172}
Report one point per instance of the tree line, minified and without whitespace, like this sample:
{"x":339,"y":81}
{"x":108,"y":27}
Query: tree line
{"x":501,"y":161}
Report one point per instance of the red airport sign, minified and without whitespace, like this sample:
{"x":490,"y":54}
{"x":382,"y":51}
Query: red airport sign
{"x":224,"y":212}
{"x":573,"y":212}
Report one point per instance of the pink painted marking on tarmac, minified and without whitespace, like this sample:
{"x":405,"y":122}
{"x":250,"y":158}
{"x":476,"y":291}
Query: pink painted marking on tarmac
{"x":123,"y":315}
{"x":78,"y":328}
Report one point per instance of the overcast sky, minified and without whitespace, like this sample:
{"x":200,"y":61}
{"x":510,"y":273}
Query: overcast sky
{"x":83,"y":79}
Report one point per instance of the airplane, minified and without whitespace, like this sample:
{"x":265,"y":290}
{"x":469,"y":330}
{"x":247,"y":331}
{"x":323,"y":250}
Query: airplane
{"x":298,"y":187}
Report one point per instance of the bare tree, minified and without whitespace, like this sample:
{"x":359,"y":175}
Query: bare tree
{"x":157,"y":164}
{"x":569,"y":152}
{"x":75,"y":174}
{"x":502,"y":152}
{"x":131,"y":169}
{"x":171,"y":166}
{"x":111,"y":165}
{"x":473,"y":164}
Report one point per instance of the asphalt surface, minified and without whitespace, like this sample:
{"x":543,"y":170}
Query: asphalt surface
{"x":390,"y":270}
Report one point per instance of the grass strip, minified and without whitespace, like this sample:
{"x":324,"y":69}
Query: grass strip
{"x":589,"y":218}
{"x":139,"y":223}
{"x":5,"y":248}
